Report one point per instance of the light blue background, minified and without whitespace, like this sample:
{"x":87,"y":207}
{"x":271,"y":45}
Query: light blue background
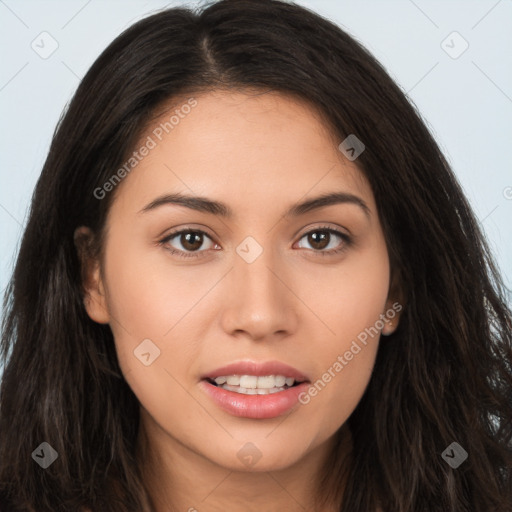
{"x":467,"y":102}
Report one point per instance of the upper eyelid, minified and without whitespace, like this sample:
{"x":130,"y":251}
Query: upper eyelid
{"x":336,"y":230}
{"x":173,"y":234}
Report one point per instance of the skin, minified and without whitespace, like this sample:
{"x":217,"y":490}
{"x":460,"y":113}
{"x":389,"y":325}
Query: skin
{"x":258,"y":154}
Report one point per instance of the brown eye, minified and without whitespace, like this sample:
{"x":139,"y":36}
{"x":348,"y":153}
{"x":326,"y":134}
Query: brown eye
{"x":188,"y":241}
{"x":191,"y":241}
{"x":319,"y":240}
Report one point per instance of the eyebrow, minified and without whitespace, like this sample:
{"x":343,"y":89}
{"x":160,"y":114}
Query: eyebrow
{"x":203,"y":204}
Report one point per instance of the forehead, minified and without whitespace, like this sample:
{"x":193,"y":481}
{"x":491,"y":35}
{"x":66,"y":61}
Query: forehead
{"x":243,"y":148}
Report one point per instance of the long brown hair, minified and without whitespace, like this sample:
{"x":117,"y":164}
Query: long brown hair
{"x":444,"y":376}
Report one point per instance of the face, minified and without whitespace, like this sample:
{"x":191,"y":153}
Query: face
{"x":256,"y":274}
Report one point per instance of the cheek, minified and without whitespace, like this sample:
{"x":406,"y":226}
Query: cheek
{"x":345,"y":366}
{"x":148,"y":293}
{"x":350,"y":302}
{"x":348,"y":297}
{"x":156,"y":308}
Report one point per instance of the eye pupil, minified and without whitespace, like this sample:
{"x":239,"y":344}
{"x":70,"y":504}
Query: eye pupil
{"x":192,"y":240}
{"x":319,"y":239}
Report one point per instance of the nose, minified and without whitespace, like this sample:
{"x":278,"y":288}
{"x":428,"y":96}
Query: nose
{"x":260,"y":302}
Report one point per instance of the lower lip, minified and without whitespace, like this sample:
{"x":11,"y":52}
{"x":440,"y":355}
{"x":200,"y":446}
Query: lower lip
{"x":254,"y":406}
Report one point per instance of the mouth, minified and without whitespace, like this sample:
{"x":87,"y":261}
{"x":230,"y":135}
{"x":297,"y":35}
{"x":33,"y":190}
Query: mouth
{"x":255,"y":389}
{"x":254,"y":384}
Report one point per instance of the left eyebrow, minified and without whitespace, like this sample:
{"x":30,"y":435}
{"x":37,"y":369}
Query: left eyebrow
{"x":327,"y":200}
{"x":203,"y":204}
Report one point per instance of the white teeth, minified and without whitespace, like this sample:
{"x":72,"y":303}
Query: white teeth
{"x":280,"y":380}
{"x":266,"y":382}
{"x":246,"y":391}
{"x":250,"y":383}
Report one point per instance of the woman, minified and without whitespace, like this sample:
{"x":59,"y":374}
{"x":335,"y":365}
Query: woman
{"x":250,"y":281}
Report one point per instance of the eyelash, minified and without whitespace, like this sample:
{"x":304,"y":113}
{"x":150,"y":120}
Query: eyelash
{"x":347,"y":241}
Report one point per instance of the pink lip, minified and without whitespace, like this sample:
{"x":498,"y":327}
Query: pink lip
{"x":255,"y":406}
{"x":257,"y":369}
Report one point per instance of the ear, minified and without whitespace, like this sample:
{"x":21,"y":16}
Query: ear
{"x":394,"y":305}
{"x":92,"y":284}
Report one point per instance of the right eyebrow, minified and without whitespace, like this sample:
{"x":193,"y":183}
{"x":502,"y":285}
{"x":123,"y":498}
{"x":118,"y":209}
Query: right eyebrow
{"x":197,"y":203}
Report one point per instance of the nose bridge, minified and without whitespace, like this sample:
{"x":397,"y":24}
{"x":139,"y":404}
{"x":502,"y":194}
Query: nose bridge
{"x":257,"y":279}
{"x":260,"y":304}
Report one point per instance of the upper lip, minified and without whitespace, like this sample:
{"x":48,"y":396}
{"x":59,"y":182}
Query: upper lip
{"x":259,"y":369}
